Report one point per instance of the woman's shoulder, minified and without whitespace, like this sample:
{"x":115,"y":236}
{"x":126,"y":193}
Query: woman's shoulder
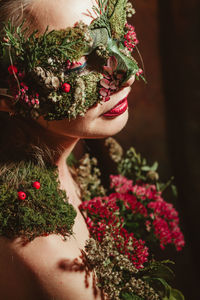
{"x":32,"y":203}
{"x":45,"y":268}
{"x":41,"y":238}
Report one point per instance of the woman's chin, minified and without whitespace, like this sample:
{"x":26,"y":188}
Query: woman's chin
{"x":108,"y":126}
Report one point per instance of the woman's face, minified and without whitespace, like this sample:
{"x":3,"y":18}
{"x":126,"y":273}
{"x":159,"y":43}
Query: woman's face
{"x":103,"y":119}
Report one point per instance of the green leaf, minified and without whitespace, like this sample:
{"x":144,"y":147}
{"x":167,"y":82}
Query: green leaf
{"x":155,"y":166}
{"x":176,"y":295}
{"x":159,"y":270}
{"x":99,"y":36}
{"x":125,"y":63}
{"x":160,"y":285}
{"x":145,"y":168}
{"x":174,"y":190}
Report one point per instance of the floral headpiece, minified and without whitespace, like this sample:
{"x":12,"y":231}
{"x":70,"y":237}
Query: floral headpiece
{"x":45,"y":74}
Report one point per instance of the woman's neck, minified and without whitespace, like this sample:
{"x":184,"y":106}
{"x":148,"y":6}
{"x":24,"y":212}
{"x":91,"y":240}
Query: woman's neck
{"x":66,"y":148}
{"x":67,"y":183}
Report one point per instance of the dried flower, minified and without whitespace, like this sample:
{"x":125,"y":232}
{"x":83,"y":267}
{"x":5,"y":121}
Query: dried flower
{"x":115,"y":150}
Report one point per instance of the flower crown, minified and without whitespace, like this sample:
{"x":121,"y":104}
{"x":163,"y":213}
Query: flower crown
{"x":45,"y":75}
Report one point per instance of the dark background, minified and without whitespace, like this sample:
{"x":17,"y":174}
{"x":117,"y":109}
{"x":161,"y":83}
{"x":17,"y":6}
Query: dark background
{"x":164,"y":115}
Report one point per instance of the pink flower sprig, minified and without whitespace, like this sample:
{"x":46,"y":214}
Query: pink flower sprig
{"x":32,"y":100}
{"x":130,"y":38}
{"x":22,"y":92}
{"x":144,"y":199}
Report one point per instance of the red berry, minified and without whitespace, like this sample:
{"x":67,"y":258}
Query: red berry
{"x":36,"y":185}
{"x":66,"y":87}
{"x":21,"y":195}
{"x":12,"y":69}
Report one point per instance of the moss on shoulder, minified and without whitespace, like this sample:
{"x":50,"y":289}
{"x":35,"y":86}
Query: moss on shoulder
{"x":41,"y":211}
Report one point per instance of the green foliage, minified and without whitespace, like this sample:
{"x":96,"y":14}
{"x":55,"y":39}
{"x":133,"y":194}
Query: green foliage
{"x":117,"y":17}
{"x":102,"y":20}
{"x":175,"y":295}
{"x":158,"y":269}
{"x":44,"y":211}
{"x":159,"y":275}
{"x":35,"y":50}
{"x":125,"y":62}
{"x":100,"y":35}
{"x":135,"y":167}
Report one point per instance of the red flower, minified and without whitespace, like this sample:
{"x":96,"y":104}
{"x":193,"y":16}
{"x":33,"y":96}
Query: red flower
{"x":12,"y":69}
{"x":103,"y":212}
{"x":120,"y":183}
{"x":130,"y":38}
{"x":144,"y":199}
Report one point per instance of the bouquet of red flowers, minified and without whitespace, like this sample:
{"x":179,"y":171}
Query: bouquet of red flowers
{"x":127,"y":224}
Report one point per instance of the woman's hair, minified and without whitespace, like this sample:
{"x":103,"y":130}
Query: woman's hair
{"x":20,"y":139}
{"x":13,"y":10}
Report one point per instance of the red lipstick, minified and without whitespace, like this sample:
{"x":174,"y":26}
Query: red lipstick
{"x":118,"y":109}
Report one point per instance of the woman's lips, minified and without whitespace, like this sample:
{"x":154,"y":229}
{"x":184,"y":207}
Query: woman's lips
{"x":118,"y":109}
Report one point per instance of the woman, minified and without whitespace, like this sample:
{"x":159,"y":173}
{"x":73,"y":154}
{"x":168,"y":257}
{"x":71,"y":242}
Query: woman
{"x":35,"y":270}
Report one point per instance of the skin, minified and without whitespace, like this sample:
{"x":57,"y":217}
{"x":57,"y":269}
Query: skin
{"x":40,"y":270}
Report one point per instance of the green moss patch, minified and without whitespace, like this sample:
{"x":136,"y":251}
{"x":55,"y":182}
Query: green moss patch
{"x":44,"y":211}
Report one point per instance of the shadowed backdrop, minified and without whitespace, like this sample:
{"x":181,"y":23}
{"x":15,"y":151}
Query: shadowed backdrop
{"x":164,"y":116}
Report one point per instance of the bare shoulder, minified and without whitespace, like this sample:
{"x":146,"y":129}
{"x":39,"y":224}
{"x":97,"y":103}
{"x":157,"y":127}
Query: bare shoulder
{"x":46,"y":268}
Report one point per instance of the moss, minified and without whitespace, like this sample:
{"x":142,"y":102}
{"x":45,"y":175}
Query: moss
{"x":68,"y":106}
{"x":117,"y":17}
{"x":92,"y":88}
{"x":44,"y":211}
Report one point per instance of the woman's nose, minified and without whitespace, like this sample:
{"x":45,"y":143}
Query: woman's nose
{"x":129,"y":82}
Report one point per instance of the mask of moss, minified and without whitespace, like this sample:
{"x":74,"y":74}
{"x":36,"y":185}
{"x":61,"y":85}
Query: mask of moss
{"x":41,"y":76}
